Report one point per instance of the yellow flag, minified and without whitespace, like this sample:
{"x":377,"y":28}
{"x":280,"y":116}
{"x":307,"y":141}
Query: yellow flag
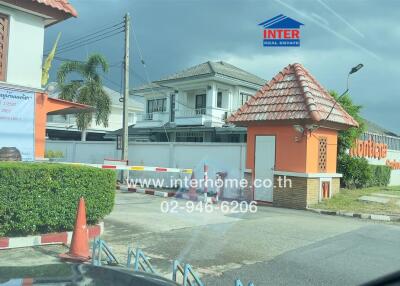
{"x":47,"y":64}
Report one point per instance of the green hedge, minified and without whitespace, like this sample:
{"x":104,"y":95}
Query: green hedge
{"x":42,"y":197}
{"x":380,"y":175}
{"x":357,"y":173}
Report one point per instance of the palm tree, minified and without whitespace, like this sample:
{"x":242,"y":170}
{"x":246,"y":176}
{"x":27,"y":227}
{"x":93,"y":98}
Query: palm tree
{"x":88,"y":90}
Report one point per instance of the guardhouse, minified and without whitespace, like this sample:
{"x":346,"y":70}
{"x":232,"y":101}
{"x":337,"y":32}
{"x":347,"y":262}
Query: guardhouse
{"x":291,"y":140}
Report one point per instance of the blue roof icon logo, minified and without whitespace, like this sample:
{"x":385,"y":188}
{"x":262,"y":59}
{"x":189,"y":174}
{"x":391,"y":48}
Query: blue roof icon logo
{"x":281,"y":22}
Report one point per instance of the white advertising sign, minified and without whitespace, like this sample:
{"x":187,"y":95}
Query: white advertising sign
{"x":17,"y":122}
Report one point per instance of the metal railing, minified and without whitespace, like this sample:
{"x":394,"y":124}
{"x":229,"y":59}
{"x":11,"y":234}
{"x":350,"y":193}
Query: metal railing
{"x":187,"y":273}
{"x":141,"y":262}
{"x":100,"y":247}
{"x":239,"y":283}
{"x":192,"y":112}
{"x":147,"y":116}
{"x":156,"y":115}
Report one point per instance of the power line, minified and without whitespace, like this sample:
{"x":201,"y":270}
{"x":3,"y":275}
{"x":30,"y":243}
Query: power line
{"x":94,"y":40}
{"x":141,"y":56}
{"x":116,"y":64}
{"x":150,"y":83}
{"x":98,"y":31}
{"x":139,"y":76}
{"x":85,"y":37}
{"x":61,"y":59}
{"x":111,"y":81}
{"x":89,"y":38}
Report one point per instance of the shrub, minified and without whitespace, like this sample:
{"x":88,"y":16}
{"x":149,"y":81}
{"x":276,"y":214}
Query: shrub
{"x":42,"y":197}
{"x":356,"y":171}
{"x":53,"y":154}
{"x":380,"y":176}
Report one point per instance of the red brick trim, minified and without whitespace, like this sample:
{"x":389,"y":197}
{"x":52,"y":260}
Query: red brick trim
{"x":61,"y":237}
{"x":4,"y":241}
{"x":47,"y":238}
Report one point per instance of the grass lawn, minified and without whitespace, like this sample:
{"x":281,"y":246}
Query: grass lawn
{"x":347,"y":200}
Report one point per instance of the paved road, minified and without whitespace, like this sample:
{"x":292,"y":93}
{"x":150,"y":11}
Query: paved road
{"x":272,"y":247}
{"x":351,"y":258}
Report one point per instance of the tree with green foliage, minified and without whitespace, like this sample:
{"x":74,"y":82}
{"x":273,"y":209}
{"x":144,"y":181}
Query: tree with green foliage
{"x":356,"y":171}
{"x":88,"y":89}
{"x":347,"y":138}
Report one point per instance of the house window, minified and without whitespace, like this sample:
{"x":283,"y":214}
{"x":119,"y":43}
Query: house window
{"x":322,"y":154}
{"x":4,"y":22}
{"x":219,"y":99}
{"x":156,"y":105}
{"x":244,"y":97}
{"x":200,"y":101}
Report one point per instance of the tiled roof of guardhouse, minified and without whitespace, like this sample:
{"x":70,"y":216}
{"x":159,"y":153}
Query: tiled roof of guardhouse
{"x":293,"y":94}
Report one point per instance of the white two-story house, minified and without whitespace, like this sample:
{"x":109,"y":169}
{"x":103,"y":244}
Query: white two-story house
{"x":62,"y":127}
{"x":192,"y":105}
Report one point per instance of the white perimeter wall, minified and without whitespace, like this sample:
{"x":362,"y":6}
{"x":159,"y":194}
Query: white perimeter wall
{"x":228,"y":157}
{"x":25,"y":48}
{"x":219,"y":157}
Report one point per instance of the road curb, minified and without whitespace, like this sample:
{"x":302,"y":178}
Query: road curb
{"x":356,"y":215}
{"x":47,"y":238}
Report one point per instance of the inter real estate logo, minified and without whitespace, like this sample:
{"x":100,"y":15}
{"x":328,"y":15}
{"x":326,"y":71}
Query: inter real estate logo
{"x":281,"y":31}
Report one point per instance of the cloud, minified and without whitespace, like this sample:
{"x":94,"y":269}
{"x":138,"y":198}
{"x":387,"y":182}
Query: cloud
{"x":174,"y":35}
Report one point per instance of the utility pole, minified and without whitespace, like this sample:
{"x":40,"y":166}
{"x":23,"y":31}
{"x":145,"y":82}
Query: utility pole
{"x":126,"y":92}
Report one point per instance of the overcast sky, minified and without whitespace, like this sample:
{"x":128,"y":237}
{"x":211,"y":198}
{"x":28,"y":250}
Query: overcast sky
{"x":176,"y":34}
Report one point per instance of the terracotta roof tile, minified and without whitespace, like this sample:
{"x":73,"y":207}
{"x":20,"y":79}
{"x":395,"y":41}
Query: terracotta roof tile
{"x":62,"y":5}
{"x":292,"y":94}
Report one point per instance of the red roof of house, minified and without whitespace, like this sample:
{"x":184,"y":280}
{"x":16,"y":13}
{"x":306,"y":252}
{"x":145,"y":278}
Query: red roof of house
{"x":61,"y":5}
{"x":292,"y":95}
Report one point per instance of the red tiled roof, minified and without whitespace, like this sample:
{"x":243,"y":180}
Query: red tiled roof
{"x":293,"y":94}
{"x":61,"y":5}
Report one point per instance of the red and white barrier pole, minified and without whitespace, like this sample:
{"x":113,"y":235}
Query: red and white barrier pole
{"x":205,"y":182}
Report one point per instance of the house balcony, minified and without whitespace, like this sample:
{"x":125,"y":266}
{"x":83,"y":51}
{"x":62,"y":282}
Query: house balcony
{"x":200,"y":116}
{"x":153,"y":119}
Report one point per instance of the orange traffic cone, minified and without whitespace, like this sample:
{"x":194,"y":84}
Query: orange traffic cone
{"x":79,"y":249}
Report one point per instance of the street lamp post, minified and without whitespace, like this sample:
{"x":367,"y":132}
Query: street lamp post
{"x":353,"y":70}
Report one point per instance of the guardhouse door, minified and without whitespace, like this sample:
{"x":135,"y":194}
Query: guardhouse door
{"x":264,"y":168}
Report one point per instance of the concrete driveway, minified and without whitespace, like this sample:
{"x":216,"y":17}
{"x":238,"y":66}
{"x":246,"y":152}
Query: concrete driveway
{"x":284,"y":244}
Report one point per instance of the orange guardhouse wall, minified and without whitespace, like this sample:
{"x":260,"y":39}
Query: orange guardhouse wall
{"x":292,"y":156}
{"x":313,"y":146}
